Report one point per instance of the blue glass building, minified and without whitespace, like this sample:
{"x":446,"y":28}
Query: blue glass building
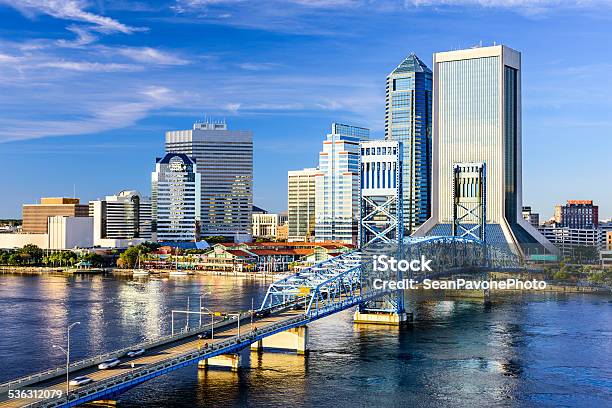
{"x":408,"y":120}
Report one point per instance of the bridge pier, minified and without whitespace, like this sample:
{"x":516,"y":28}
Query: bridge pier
{"x":233,"y":361}
{"x":294,"y":339}
{"x":386,"y":318}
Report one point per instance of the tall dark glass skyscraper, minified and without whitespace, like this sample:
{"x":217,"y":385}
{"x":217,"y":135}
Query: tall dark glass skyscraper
{"x":408,"y":120}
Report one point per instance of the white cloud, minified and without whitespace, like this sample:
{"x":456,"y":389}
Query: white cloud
{"x":84,"y":66}
{"x":258,"y":66}
{"x":148,"y":55}
{"x":83,"y":37}
{"x":107,"y":114}
{"x":72,"y":10}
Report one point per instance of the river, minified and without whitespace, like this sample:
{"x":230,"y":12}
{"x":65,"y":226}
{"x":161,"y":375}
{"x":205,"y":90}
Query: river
{"x":526,"y":350}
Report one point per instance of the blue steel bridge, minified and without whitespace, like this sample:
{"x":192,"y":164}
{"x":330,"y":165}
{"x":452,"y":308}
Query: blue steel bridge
{"x":290,"y":304}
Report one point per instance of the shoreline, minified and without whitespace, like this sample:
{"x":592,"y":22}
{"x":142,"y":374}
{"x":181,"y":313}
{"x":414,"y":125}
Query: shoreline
{"x":164,"y":274}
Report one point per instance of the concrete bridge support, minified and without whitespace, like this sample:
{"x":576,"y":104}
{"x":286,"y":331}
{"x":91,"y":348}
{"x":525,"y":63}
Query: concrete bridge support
{"x":232,"y":361}
{"x":295,"y":339}
{"x":386,"y":318}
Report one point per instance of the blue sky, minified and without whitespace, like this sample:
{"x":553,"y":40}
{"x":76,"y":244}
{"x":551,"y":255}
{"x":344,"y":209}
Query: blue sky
{"x":87,"y":88}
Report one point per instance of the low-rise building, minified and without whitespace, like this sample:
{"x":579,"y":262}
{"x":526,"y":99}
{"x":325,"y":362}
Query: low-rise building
{"x":35,"y":216}
{"x":70,"y":232}
{"x":567,"y":239}
{"x":265,"y":225}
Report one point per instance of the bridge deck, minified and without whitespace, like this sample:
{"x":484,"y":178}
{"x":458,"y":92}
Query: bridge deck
{"x":152,"y":356}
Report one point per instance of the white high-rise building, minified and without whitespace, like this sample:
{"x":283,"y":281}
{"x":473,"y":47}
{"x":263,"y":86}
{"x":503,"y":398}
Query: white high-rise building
{"x":477,"y":131}
{"x":301,"y":198}
{"x":225,"y":163}
{"x":121,"y":220}
{"x":175,"y":201}
{"x":337,"y":185}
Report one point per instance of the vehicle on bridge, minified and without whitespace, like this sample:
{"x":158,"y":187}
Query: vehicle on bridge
{"x":110,"y":363}
{"x":78,"y":381}
{"x":135,"y":353}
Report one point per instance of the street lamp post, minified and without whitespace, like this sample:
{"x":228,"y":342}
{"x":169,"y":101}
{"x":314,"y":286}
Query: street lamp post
{"x":67,"y":353}
{"x":212,"y":321}
{"x":201,"y":296}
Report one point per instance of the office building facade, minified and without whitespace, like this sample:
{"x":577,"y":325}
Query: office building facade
{"x":477,"y":119}
{"x":35,"y":216}
{"x":579,"y":214}
{"x":337,"y":185}
{"x":175,"y":198}
{"x":265,"y":225}
{"x":301,"y":200}
{"x":122,"y":217}
{"x":408,"y":117}
{"x":225,"y":163}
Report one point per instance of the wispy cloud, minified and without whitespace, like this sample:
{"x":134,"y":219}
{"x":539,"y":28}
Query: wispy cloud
{"x":99,"y":116}
{"x":149,"y":55}
{"x":83,"y":66}
{"x":258,"y":66}
{"x":72,"y":10}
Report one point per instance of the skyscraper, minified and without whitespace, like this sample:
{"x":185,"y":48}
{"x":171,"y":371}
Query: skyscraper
{"x":301,"y":196}
{"x":408,"y":120}
{"x":175,"y":201}
{"x":477,"y":147}
{"x":337,"y":185}
{"x":225,"y":163}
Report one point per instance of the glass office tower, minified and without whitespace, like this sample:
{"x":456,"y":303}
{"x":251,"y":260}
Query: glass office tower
{"x":477,"y":119}
{"x":408,"y":120}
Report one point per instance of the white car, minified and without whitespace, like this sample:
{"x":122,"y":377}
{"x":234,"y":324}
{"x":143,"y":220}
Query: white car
{"x":134,"y":353}
{"x":80,"y":380}
{"x":113,"y":362}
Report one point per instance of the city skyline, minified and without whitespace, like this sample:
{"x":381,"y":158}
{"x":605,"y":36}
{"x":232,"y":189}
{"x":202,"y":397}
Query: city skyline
{"x":300,"y":108}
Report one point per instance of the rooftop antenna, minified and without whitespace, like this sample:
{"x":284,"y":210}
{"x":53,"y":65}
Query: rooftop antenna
{"x":74,"y":191}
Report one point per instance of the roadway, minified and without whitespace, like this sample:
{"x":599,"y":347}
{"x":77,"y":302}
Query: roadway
{"x":151,"y":356}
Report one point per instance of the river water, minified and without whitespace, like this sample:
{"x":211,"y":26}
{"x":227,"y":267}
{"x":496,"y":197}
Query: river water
{"x":525,"y":350}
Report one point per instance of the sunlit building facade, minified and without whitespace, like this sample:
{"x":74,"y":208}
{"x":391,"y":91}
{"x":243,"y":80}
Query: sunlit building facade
{"x":337,"y":185}
{"x":477,"y":119}
{"x":301,"y":198}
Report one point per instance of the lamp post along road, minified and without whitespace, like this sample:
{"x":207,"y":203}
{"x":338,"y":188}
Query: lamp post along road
{"x":67,"y":353}
{"x":201,"y":296}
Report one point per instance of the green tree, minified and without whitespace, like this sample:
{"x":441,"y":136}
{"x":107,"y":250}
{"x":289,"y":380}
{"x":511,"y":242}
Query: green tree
{"x":561,"y":275}
{"x":129,"y":257}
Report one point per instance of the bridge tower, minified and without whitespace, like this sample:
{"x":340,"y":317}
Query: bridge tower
{"x":381,"y":226}
{"x":469,"y":200}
